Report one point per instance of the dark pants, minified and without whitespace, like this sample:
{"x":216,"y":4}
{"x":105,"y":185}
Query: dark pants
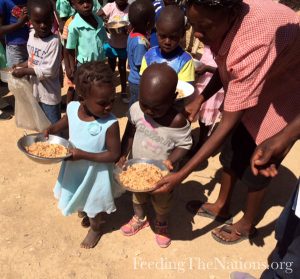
{"x":134,"y":90}
{"x":52,"y":112}
{"x":285,"y":259}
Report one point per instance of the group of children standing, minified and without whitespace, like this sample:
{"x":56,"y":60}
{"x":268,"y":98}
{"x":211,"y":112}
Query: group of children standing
{"x":155,"y":128}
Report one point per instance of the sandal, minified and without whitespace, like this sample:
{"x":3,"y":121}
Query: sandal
{"x":229,"y":230}
{"x":134,"y":226}
{"x":196,"y":207}
{"x":162,"y":236}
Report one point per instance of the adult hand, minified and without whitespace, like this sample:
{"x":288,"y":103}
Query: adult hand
{"x":192,"y":108}
{"x":167,"y":183}
{"x":271,"y":150}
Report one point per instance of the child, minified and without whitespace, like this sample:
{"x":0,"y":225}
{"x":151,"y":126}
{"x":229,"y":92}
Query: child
{"x":86,"y":36}
{"x":43,"y":65}
{"x":155,"y":130}
{"x":210,"y":110}
{"x":141,"y":17}
{"x":13,"y":18}
{"x":116,"y":47}
{"x":170,"y":29}
{"x":84,"y":182}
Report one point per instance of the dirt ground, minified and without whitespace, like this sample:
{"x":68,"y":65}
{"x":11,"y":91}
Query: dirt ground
{"x":36,"y":241}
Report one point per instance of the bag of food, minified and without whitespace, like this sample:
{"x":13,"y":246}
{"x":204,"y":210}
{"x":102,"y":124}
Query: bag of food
{"x":28,"y":113}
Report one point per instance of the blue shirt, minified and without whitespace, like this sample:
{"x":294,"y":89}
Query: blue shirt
{"x":137,"y":46}
{"x":19,"y":36}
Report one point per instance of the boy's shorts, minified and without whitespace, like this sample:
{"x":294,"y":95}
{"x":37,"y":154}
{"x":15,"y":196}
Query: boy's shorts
{"x":112,"y":52}
{"x":236,"y":155}
{"x":16,"y":54}
{"x":162,"y":203}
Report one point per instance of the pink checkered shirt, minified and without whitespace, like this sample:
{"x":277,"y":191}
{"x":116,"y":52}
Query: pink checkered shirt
{"x":259,"y":65}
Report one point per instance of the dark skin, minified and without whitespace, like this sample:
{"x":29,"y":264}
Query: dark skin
{"x":6,"y":29}
{"x":85,"y":10}
{"x":41,"y":20}
{"x":212,"y":28}
{"x":169,"y":34}
{"x":96,"y":104}
{"x":159,"y":78}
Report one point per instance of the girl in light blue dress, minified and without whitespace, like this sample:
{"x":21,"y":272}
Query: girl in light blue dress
{"x":85,"y":181}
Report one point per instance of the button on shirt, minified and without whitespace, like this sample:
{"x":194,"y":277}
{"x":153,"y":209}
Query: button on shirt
{"x":259,"y":65}
{"x":87,"y":40}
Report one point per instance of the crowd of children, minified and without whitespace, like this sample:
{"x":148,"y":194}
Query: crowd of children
{"x":156,"y":129}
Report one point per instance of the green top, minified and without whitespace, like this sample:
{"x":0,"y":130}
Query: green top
{"x":86,"y":40}
{"x":64,"y":8}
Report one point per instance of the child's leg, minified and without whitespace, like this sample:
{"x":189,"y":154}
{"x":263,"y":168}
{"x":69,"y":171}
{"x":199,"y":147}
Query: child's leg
{"x":94,"y":233}
{"x":112,"y":61}
{"x":122,"y":71}
{"x":139,"y":220}
{"x":162,"y":204}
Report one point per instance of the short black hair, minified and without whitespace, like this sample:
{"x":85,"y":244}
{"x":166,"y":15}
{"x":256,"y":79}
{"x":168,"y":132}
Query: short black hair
{"x":92,"y":72}
{"x":173,"y":14}
{"x":45,"y":4}
{"x":216,"y":4}
{"x":140,"y":13}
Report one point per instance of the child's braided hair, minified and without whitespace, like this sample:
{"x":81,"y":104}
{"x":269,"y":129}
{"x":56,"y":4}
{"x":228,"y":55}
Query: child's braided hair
{"x":90,"y":73}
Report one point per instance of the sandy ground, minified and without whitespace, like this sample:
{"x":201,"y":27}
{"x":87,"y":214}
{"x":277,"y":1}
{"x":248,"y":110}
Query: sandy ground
{"x":36,"y":241}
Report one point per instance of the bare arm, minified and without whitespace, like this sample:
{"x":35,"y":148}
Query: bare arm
{"x":72,"y":67}
{"x":5,"y":29}
{"x":58,"y":127}
{"x":228,"y":122}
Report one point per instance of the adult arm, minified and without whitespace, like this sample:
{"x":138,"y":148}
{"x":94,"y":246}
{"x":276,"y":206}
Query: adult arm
{"x":275,"y":148}
{"x":112,"y":152}
{"x":214,"y":85}
{"x":228,"y":122}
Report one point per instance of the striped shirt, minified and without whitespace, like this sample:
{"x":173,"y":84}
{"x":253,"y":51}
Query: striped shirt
{"x":259,"y":65}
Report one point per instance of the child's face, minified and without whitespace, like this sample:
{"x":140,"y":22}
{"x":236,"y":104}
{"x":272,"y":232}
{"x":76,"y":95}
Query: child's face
{"x":100,"y":99}
{"x":154,"y":110}
{"x":168,"y":36}
{"x":83,"y":7}
{"x":122,"y":4}
{"x":41,"y":21}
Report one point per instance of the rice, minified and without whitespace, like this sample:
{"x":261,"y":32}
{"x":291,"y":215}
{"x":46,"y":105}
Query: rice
{"x":47,"y":150}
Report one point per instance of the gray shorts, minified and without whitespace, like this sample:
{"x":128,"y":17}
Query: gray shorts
{"x":16,"y":54}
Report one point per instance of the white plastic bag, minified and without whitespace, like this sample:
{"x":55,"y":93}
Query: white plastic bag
{"x":28,"y":113}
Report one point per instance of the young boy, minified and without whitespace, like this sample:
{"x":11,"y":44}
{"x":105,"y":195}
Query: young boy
{"x":141,"y":17}
{"x":116,"y":46}
{"x":44,"y":51}
{"x":13,"y":19}
{"x":170,"y":29}
{"x":86,"y":36}
{"x":155,"y":130}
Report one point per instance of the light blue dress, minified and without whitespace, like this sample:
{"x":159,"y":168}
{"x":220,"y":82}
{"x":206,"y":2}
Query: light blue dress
{"x":86,"y":185}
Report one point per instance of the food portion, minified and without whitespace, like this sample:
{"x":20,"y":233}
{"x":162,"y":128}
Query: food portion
{"x":47,"y":150}
{"x":180,"y":93}
{"x":117,"y":25}
{"x":141,"y":177}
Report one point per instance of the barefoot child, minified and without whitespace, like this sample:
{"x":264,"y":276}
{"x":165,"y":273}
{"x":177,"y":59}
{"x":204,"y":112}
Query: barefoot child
{"x":84,"y":182}
{"x":141,"y":18}
{"x":170,"y":30}
{"x":44,"y":52}
{"x":155,"y":130}
{"x":116,"y":46}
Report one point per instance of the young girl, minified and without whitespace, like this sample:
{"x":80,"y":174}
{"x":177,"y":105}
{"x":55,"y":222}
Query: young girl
{"x":116,"y":47}
{"x":155,"y":130}
{"x":84,"y":181}
{"x":210,"y":110}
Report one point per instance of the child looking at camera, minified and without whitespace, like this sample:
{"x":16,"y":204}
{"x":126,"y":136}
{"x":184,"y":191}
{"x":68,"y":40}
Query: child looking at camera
{"x":44,"y":57}
{"x":84,"y":182}
{"x":170,"y":30}
{"x":155,"y":130}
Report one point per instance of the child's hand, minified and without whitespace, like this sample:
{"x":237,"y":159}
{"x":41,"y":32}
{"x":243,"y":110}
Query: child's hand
{"x":76,"y":154}
{"x":168,"y":164}
{"x":46,"y":133}
{"x":19,"y":73}
{"x":121,"y":161}
{"x":23,"y":16}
